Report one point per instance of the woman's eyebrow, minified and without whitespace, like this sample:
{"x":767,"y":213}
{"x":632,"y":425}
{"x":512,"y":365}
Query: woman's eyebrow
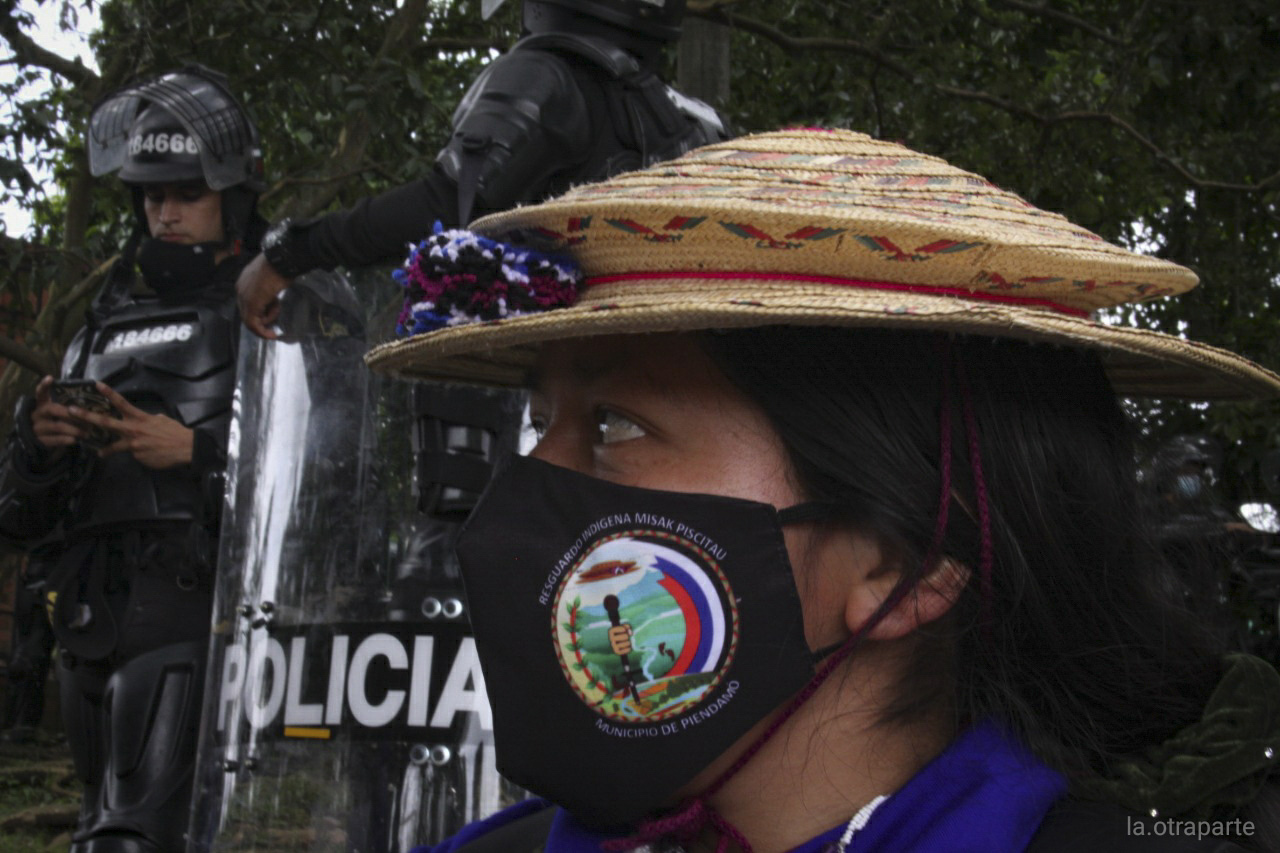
{"x":583,"y":370}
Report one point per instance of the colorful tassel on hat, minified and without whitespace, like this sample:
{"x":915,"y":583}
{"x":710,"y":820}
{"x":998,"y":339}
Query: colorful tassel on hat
{"x":456,"y":277}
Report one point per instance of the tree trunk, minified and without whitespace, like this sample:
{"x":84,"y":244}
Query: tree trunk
{"x":404,"y":31}
{"x":703,"y":61}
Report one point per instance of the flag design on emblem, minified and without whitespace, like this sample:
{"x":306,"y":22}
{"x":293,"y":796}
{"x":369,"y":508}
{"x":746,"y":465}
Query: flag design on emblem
{"x":704,"y":628}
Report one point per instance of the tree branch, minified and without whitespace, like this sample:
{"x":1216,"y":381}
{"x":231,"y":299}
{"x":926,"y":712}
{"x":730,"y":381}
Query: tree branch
{"x":323,"y":180}
{"x":353,"y":139}
{"x":48,"y":326}
{"x":702,"y":7}
{"x":84,"y":287}
{"x":20,"y":354}
{"x":28,"y":52}
{"x":1145,"y":142}
{"x":1045,"y":11}
{"x":791,"y":44}
{"x":458,"y":43}
{"x":53,"y":321}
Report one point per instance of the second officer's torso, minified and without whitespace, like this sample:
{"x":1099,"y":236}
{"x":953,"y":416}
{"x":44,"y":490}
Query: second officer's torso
{"x":175,"y":357}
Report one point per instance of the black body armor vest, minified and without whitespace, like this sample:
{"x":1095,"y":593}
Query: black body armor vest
{"x":562,"y":109}
{"x":176,"y":358}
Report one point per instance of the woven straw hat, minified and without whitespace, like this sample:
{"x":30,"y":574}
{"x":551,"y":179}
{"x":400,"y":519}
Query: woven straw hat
{"x":830,"y":228}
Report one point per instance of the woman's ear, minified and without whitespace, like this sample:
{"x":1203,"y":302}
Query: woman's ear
{"x":930,"y":599}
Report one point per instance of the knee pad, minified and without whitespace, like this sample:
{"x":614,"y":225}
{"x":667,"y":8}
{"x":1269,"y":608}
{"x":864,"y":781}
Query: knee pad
{"x":140,"y":766}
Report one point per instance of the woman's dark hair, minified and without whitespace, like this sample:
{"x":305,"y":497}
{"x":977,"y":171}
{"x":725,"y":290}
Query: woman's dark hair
{"x":1086,"y":651}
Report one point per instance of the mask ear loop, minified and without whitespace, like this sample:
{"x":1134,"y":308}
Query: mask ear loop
{"x":691,"y":817}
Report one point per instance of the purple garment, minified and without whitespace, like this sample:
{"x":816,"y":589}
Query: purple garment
{"x":982,"y":794}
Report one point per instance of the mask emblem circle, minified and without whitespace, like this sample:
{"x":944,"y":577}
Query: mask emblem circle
{"x":645,"y":626}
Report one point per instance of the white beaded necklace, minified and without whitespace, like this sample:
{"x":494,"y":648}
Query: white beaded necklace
{"x":858,"y":821}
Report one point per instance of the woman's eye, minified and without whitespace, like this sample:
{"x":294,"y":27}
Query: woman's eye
{"x":613,"y":427}
{"x":154,"y":196}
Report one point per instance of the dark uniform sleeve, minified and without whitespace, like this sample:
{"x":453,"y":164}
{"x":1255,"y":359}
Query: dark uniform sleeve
{"x":378,"y":229}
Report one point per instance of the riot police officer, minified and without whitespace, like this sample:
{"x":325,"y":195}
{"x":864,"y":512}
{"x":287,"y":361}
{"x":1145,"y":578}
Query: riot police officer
{"x":121,"y":459}
{"x":577,"y":99}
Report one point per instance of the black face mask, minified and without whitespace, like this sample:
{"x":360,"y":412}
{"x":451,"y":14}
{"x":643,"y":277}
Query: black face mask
{"x":172,"y":269}
{"x":565,"y":572}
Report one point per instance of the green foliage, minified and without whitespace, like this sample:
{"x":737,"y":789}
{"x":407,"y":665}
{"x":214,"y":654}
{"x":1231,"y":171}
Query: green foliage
{"x":1156,"y":125}
{"x":303,"y":813}
{"x":39,"y":797}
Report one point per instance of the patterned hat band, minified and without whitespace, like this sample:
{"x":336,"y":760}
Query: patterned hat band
{"x":787,"y":279}
{"x":796,"y":227}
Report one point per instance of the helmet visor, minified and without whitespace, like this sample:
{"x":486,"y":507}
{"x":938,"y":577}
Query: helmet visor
{"x":201,"y":115}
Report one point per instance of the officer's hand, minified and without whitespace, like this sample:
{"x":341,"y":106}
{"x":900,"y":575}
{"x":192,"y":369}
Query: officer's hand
{"x":156,"y":441}
{"x":258,"y":294}
{"x":51,"y":422}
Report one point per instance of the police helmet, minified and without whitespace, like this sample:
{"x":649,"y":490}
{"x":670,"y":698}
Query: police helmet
{"x":184,"y":125}
{"x":1184,"y":470}
{"x":1198,"y":453}
{"x":658,"y":20}
{"x":204,"y":113}
{"x":160,"y":150}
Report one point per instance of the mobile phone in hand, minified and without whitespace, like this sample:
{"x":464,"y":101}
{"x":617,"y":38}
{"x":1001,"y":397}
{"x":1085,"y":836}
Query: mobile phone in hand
{"x":84,"y":394}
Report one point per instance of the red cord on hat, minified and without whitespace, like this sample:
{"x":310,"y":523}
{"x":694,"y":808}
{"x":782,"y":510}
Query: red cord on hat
{"x":986,"y":553}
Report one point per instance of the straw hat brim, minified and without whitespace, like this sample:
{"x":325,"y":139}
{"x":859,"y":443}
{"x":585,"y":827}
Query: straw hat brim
{"x":501,"y":352}
{"x":811,"y":227}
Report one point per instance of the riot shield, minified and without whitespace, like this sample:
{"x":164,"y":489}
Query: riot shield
{"x":345,"y":707}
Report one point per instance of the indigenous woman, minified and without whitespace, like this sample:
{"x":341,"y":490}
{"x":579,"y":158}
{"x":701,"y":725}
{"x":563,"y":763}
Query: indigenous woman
{"x":831,"y":538}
